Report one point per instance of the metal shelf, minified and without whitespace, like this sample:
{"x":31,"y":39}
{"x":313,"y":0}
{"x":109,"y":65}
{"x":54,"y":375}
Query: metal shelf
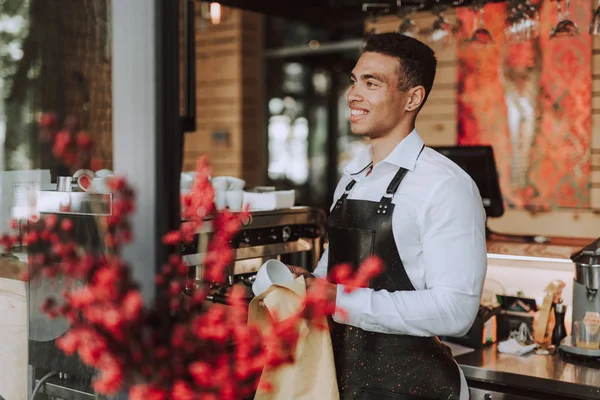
{"x":299,"y":215}
{"x":74,"y":203}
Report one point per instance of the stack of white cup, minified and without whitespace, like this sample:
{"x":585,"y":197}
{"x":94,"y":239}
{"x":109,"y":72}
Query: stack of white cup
{"x":98,"y":181}
{"x":229,"y":192}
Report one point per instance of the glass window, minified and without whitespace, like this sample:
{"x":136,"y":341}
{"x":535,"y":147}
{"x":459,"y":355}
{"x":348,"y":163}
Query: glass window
{"x":55,"y":121}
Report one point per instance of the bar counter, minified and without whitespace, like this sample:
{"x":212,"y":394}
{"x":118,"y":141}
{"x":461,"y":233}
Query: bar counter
{"x":555,"y":377}
{"x":560,"y":248}
{"x":491,"y":376}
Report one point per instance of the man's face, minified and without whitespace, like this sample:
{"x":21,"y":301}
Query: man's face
{"x":377,"y":106}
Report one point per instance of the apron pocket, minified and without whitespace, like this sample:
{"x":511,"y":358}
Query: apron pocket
{"x":377,"y":394}
{"x":350,"y":245}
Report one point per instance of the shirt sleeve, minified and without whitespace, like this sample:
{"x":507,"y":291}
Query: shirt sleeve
{"x":455,"y":262}
{"x":321,"y":269}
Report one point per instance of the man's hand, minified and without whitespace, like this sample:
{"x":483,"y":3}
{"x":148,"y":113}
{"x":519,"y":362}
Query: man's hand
{"x":297,"y":271}
{"x":321,"y":288}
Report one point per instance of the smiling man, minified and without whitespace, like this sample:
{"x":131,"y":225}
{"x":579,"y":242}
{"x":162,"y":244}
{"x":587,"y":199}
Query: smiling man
{"x":423,"y":216}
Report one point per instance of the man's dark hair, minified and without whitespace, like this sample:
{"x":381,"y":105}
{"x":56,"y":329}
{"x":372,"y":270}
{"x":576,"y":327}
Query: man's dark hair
{"x":417,"y":60}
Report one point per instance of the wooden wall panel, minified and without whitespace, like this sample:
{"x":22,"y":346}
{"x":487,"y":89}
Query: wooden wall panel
{"x":437,"y":120}
{"x":229,"y":89}
{"x":253,"y":136}
{"x":437,"y":124}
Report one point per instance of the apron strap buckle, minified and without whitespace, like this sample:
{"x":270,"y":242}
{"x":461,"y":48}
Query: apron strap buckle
{"x":385,"y":204}
{"x":338,"y":204}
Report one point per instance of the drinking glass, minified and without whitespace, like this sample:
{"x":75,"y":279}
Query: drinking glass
{"x":587,"y":335}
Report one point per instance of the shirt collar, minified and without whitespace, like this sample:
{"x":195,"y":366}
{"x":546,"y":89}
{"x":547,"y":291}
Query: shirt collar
{"x":404,"y":155}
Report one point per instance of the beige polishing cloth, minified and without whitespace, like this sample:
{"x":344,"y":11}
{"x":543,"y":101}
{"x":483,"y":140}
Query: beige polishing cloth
{"x":312,"y":375}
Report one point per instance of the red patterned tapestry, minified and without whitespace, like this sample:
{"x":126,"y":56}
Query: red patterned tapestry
{"x":532,"y":103}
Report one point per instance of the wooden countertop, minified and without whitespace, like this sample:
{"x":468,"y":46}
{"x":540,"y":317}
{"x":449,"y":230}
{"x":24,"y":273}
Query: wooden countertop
{"x":11,"y":267}
{"x":556,"y":247}
{"x":550,"y":377}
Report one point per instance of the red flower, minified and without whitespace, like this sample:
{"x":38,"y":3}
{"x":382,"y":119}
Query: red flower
{"x":31,"y":238}
{"x":68,"y":343}
{"x":110,"y":380}
{"x":202,"y":373}
{"x":172,"y":238}
{"x":48,"y":120}
{"x":50,"y":221}
{"x":84,"y":141}
{"x":132,"y":305}
{"x":147,"y":392}
{"x":61,"y":141}
{"x":82,"y":298}
{"x":342,"y":274}
{"x":182,"y":391}
{"x":66,"y":225}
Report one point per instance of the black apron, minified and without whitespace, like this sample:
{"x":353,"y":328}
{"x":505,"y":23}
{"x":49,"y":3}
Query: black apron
{"x":376,"y":366}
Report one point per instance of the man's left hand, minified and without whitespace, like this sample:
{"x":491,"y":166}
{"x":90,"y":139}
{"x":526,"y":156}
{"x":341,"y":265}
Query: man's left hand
{"x":322,"y":288}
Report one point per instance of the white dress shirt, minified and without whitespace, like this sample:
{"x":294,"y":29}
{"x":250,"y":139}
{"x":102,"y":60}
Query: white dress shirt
{"x":439,"y":229}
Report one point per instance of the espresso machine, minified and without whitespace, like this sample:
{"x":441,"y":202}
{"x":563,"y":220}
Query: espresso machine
{"x":586,"y":298}
{"x":292,"y":235}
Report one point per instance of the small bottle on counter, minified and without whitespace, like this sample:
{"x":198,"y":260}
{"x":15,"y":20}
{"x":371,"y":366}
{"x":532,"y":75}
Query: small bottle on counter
{"x":559,"y":332}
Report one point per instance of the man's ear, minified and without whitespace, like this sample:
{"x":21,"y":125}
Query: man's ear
{"x":416,"y":96}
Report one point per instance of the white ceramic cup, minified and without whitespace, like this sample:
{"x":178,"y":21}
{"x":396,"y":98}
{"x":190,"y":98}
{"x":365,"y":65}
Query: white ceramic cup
{"x":185,"y":182}
{"x":220,"y":199}
{"x":273,"y":271}
{"x":84,"y":182}
{"x":219,"y":183}
{"x":99,"y":185}
{"x":234,"y":199}
{"x":234,"y":183}
{"x":227,"y":183}
{"x":83,"y":175}
{"x":103,"y":173}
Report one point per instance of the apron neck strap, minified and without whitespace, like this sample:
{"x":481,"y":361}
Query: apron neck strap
{"x":393,"y":186}
{"x":350,"y":185}
{"x":386,"y":200}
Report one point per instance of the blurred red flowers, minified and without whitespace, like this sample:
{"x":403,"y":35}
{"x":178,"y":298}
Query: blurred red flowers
{"x":178,"y":347}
